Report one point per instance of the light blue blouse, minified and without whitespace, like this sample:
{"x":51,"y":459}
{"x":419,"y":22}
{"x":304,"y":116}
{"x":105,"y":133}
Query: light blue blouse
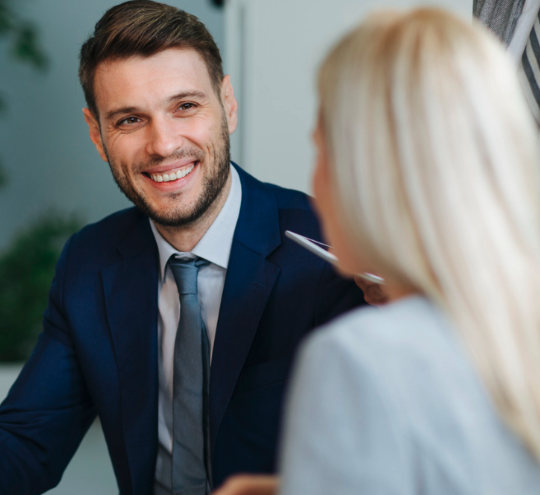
{"x":385,"y":401}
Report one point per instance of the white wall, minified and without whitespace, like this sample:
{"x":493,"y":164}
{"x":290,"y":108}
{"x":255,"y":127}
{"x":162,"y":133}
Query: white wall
{"x":273,"y":50}
{"x":44,"y":144}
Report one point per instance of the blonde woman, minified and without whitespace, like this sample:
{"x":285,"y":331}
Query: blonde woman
{"x":427,"y":174}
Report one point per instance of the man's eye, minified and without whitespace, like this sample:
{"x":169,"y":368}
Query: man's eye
{"x":186,"y":106}
{"x":129,"y":121}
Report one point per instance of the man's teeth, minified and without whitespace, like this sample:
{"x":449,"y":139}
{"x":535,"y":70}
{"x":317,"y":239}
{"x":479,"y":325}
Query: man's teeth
{"x":172,"y":176}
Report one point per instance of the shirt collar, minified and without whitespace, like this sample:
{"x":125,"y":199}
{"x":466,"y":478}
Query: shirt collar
{"x":215,"y":245}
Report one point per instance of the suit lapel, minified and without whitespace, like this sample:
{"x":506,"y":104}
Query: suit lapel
{"x":249,"y":282}
{"x":130,"y":288}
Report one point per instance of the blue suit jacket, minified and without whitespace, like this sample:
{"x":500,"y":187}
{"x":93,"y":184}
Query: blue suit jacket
{"x":98,"y":352}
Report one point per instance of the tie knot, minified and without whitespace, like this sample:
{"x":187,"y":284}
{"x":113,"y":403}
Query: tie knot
{"x":185,"y":273}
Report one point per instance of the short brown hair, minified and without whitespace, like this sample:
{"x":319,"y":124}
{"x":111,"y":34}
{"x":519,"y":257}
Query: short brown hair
{"x":144,"y":28}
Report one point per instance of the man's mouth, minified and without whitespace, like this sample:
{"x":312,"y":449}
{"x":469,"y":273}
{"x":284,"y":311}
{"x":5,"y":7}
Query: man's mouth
{"x":172,"y":175}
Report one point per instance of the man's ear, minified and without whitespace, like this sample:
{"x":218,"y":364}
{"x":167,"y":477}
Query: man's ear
{"x":95,"y":134}
{"x":229,"y":103}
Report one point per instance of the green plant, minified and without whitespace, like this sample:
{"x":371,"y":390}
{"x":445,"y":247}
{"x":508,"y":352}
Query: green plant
{"x":26,"y":271}
{"x":27,"y":266}
{"x":23,"y":45}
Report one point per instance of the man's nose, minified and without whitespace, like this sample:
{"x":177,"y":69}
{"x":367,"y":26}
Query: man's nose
{"x":164,"y":138}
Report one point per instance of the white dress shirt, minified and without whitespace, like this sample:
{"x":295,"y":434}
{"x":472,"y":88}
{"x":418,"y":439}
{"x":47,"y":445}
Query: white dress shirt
{"x":215,"y":246}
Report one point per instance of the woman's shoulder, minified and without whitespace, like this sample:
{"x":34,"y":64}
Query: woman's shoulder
{"x":405,"y":368}
{"x":410,"y":326}
{"x":406,"y":349}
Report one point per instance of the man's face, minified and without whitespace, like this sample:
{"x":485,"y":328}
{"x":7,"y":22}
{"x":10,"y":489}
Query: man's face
{"x":165,"y":132}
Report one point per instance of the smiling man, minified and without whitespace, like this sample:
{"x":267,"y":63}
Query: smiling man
{"x":175,"y":321}
{"x":164,"y":130}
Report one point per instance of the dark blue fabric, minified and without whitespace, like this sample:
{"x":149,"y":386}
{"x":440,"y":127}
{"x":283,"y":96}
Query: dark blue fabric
{"x":98,"y":352}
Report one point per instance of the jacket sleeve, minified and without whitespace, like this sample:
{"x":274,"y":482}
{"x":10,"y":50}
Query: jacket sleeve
{"x":335,"y":295}
{"x":343,"y":434}
{"x":48,"y":410}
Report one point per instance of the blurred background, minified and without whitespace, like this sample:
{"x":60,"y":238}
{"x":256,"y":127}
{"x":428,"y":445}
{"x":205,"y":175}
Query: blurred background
{"x":52,"y":180}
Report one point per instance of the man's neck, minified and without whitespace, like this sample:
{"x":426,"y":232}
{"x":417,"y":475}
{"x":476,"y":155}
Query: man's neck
{"x":185,"y":238}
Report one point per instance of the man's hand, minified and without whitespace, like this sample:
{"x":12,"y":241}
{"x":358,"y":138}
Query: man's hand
{"x":249,"y":485}
{"x":374,"y":294}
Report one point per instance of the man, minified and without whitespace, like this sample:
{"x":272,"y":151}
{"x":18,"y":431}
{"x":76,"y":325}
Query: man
{"x":175,"y":321}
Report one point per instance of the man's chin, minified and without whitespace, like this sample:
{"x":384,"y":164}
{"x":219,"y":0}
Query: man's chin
{"x":173,"y":222}
{"x":179,"y":209}
{"x":170,"y":219}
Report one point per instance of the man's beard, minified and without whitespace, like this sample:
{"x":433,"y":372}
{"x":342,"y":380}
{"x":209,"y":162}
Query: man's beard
{"x":211,"y":188}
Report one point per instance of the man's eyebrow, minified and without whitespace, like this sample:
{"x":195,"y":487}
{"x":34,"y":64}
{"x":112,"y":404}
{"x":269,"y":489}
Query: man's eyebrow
{"x":188,"y":94}
{"x":111,"y":114}
{"x":185,"y":94}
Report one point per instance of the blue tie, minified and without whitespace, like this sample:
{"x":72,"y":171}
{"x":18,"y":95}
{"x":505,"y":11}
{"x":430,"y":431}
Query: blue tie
{"x":191,"y":375}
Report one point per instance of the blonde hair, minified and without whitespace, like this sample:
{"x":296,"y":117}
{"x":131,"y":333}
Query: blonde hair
{"x":435,"y":171}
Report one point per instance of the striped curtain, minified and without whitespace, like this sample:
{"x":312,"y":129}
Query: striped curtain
{"x":529,"y":71}
{"x":500,"y":16}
